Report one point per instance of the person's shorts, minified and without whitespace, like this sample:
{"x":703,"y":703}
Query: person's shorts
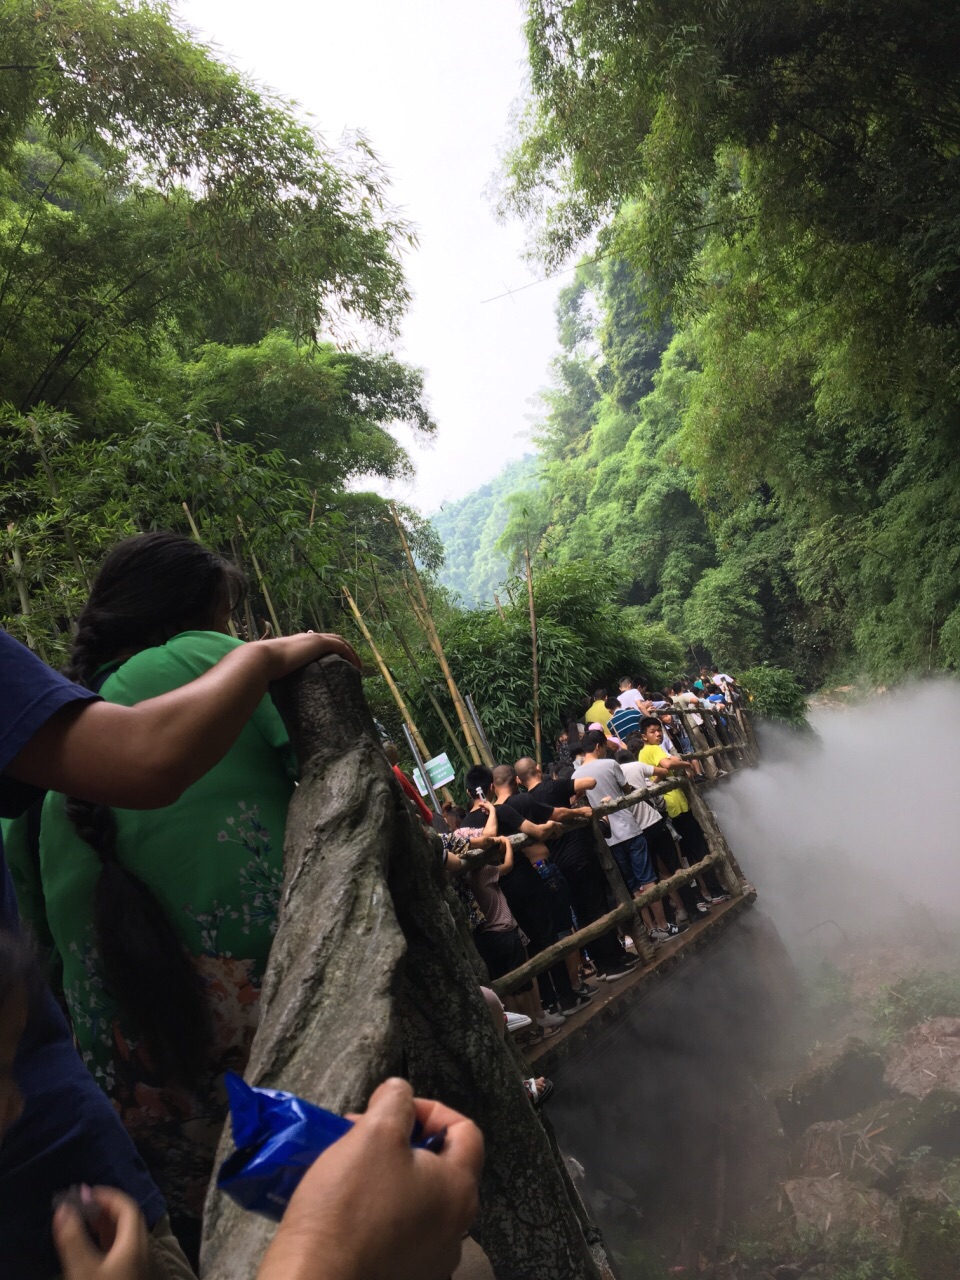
{"x":501,"y":951}
{"x":633,"y":859}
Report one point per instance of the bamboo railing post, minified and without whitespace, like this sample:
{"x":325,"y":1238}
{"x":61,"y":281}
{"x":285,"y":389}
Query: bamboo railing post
{"x":434,"y":637}
{"x":730,"y":871}
{"x":621,"y":892}
{"x":538,"y":746}
{"x":728,"y":758}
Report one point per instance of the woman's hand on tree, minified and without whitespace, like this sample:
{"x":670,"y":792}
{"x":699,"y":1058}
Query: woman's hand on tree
{"x":292,"y":652}
{"x":374,"y":1208}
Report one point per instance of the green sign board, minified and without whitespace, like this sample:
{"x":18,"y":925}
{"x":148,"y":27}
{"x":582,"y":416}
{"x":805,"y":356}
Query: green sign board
{"x":439,"y":770}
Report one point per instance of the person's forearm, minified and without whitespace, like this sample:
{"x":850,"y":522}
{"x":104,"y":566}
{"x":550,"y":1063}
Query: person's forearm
{"x":145,"y":756}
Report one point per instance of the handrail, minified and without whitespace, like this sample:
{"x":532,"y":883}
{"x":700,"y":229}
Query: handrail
{"x":545,"y":959}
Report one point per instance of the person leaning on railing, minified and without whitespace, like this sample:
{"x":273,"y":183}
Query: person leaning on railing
{"x":694,"y":843}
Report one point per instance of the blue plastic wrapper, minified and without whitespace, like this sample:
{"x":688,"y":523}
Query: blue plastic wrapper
{"x":278,"y":1136}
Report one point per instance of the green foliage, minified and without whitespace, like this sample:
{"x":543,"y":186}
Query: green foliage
{"x":775,"y":694}
{"x":918,"y":996}
{"x":172,"y":241}
{"x":470,"y":530}
{"x":780,"y":180}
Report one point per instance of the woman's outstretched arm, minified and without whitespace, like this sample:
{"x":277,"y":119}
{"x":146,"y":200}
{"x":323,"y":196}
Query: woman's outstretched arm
{"x":145,"y":756}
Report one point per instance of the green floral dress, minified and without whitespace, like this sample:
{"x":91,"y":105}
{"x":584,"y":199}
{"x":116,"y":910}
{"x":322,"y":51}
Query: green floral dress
{"x":214,"y":860}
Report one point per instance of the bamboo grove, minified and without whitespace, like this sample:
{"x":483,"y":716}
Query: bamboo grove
{"x":753,"y":416}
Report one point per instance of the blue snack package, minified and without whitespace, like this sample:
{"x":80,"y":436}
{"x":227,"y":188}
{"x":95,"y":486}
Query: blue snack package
{"x":278,"y":1136}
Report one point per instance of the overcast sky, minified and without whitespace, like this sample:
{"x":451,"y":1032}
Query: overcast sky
{"x":430,"y":82}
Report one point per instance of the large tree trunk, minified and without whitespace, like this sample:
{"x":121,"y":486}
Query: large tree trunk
{"x":369,"y":977}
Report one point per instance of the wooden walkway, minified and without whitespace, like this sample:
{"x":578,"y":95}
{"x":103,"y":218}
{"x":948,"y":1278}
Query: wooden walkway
{"x":614,"y":998}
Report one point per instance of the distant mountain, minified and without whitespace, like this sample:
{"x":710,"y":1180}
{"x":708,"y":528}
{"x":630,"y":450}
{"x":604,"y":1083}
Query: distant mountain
{"x":470,"y":528}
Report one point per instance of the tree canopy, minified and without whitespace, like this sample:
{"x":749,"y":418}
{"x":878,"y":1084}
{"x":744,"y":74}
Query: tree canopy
{"x":778,"y":183}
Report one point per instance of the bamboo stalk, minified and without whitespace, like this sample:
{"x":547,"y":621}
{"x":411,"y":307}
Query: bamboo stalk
{"x":537,"y":744}
{"x":385,"y":672}
{"x":448,"y":727}
{"x":426,"y":621}
{"x":262,"y":583}
{"x":496,"y":601}
{"x":196,"y":533}
{"x":24,"y":595}
{"x":55,"y":494}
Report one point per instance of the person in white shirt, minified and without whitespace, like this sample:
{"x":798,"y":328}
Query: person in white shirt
{"x":687,"y":901}
{"x":628,"y":696}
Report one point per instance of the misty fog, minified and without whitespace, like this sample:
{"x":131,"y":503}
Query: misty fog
{"x":845,"y":823}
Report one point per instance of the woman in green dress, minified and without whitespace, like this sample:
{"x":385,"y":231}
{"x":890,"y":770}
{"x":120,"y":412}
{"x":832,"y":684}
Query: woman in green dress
{"x":163,"y":920}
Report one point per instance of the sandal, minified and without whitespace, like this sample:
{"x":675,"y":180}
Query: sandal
{"x":538,"y":1095}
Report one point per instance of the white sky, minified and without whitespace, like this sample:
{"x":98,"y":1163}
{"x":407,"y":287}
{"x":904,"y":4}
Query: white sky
{"x":430,"y":82}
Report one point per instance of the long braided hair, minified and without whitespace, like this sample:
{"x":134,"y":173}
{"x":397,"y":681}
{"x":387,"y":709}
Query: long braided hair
{"x":149,"y":589}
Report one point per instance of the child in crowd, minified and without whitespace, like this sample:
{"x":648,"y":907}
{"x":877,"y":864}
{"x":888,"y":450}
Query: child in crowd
{"x":678,"y":807}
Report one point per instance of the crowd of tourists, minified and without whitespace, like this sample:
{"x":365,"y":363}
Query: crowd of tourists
{"x":526,"y":895}
{"x":144,"y":794}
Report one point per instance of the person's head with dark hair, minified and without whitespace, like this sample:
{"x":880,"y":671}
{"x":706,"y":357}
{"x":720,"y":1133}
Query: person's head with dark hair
{"x":625,"y":683}
{"x":651,"y":730}
{"x":623,"y":756}
{"x":594,"y":743}
{"x":612,"y":704}
{"x":599,"y":695}
{"x":504,"y":779}
{"x":21,"y":986}
{"x":642,"y":683}
{"x":479,"y":778}
{"x":635,"y":744}
{"x":453,"y":815}
{"x":149,"y":589}
{"x":528,"y":771}
{"x":678,"y":687}
{"x":563,"y":772}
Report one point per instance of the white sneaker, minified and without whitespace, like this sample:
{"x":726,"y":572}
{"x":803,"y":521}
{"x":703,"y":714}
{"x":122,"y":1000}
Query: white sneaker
{"x":517,"y":1021}
{"x":551,"y":1019}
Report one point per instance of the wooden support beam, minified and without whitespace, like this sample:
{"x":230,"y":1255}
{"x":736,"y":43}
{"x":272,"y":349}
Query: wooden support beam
{"x":622,"y":914}
{"x":730,"y":871}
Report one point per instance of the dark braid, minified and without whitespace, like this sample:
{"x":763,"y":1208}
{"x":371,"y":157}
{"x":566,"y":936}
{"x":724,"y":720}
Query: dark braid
{"x":149,"y":589}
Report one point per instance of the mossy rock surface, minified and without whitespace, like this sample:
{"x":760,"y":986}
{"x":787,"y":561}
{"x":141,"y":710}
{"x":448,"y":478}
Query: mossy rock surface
{"x":931,"y":1240}
{"x":875,"y":1147}
{"x":842,"y":1086}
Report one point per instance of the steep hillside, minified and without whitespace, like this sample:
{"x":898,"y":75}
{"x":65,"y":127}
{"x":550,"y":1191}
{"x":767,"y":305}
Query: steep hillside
{"x":470,"y":529}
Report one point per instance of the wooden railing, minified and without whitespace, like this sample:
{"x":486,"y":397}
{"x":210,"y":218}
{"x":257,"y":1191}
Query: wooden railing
{"x":737,"y":748}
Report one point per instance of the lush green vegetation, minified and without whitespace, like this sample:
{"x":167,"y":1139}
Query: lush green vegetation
{"x":754,"y":414}
{"x":177,"y":250}
{"x":474,"y":565}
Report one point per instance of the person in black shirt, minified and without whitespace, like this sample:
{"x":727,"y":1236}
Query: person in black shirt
{"x":525,"y":892}
{"x":575,"y":855}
